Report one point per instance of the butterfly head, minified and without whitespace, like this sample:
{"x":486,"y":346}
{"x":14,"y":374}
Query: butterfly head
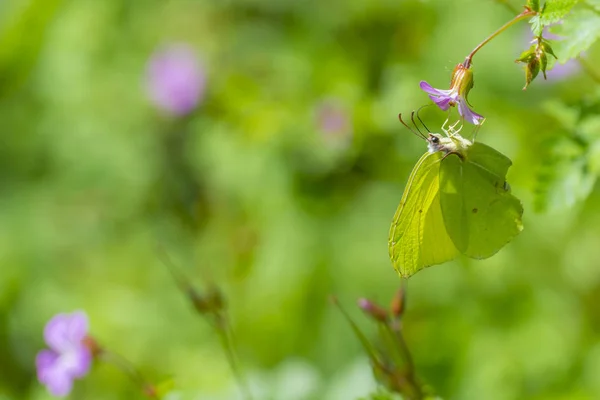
{"x":455,"y":144}
{"x":437,"y":142}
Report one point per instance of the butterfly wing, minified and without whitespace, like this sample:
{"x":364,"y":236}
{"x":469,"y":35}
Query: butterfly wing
{"x":479,"y":212}
{"x":418,"y":236}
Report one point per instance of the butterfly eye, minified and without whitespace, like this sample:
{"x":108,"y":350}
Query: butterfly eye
{"x":435,"y":140}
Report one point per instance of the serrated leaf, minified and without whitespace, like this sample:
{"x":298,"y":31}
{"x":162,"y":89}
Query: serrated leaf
{"x":580,"y":31}
{"x":555,"y":10}
{"x":536,"y":25}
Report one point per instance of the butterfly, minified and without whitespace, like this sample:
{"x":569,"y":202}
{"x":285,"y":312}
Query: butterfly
{"x":457,"y":201}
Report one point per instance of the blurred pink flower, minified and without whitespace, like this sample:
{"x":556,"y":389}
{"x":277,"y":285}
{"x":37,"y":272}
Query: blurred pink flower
{"x":175,"y":79}
{"x":68,"y":357}
{"x":333,"y":120}
{"x":563,"y":71}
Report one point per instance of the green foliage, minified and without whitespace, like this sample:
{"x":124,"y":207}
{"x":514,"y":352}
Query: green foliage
{"x":21,"y":40}
{"x":580,"y":30}
{"x":552,"y":11}
{"x":555,"y":10}
{"x":595,"y":4}
{"x":383,"y":394}
{"x":571,"y":161}
{"x":92,"y":179}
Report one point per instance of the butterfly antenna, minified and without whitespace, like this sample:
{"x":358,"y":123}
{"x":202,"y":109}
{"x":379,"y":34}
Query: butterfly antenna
{"x":412,"y":118}
{"x":417,"y":132}
{"x":419,"y":118}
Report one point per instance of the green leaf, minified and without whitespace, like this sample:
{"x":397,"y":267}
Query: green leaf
{"x":555,"y":10}
{"x":536,"y":25}
{"x":571,"y":159}
{"x":580,"y":31}
{"x":565,"y":177}
{"x":22,"y":40}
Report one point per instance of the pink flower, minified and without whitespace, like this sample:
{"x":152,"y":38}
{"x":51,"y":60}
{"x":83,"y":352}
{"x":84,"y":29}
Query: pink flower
{"x":68,"y":358}
{"x":175,"y":79}
{"x":461,"y":84}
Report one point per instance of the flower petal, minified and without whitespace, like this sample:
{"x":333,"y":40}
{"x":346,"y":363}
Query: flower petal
{"x":468,"y":114}
{"x":55,"y":332}
{"x":44,"y":362}
{"x":427,"y":88}
{"x":81,"y":362}
{"x":64,"y":331}
{"x":51,"y":373}
{"x":442,"y":102}
{"x":78,"y":327}
{"x":60,"y":384}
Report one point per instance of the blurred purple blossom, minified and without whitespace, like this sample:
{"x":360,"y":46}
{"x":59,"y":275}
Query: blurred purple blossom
{"x":176,"y":79}
{"x":563,"y":71}
{"x":334,"y":122}
{"x":68,"y":357}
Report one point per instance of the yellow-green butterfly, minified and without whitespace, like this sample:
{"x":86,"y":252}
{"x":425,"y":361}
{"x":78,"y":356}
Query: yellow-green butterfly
{"x":456,"y":202}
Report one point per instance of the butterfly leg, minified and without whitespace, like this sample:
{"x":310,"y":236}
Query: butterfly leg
{"x":476,"y":131}
{"x":444,"y":126}
{"x":453,"y":129}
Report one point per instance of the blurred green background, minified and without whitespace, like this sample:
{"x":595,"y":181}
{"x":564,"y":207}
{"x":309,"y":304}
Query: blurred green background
{"x":254,"y":193}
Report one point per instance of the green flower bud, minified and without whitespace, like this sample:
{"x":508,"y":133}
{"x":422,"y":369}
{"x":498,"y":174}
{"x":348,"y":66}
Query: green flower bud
{"x":531,"y":71}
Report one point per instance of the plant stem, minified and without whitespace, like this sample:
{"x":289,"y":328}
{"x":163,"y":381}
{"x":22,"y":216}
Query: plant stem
{"x":525,"y":14}
{"x":225,"y":334}
{"x":129,"y":369}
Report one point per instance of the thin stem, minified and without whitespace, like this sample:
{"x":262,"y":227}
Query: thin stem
{"x":130,"y":370}
{"x":525,"y":14}
{"x":227,"y":343}
{"x":411,"y":377}
{"x":215,"y":315}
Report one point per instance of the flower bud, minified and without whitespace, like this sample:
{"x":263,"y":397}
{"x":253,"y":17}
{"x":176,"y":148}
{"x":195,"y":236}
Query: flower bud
{"x":375,"y":311}
{"x":398,"y":303}
{"x":547,"y":48}
{"x":527,"y":55}
{"x":211,"y":302}
{"x":531,"y":71}
{"x":543,"y":63}
{"x":462,"y":80}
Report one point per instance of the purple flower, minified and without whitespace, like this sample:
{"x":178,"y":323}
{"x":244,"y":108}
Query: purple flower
{"x":175,"y":79}
{"x":333,"y":120}
{"x":68,"y":357}
{"x":461,"y":84}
